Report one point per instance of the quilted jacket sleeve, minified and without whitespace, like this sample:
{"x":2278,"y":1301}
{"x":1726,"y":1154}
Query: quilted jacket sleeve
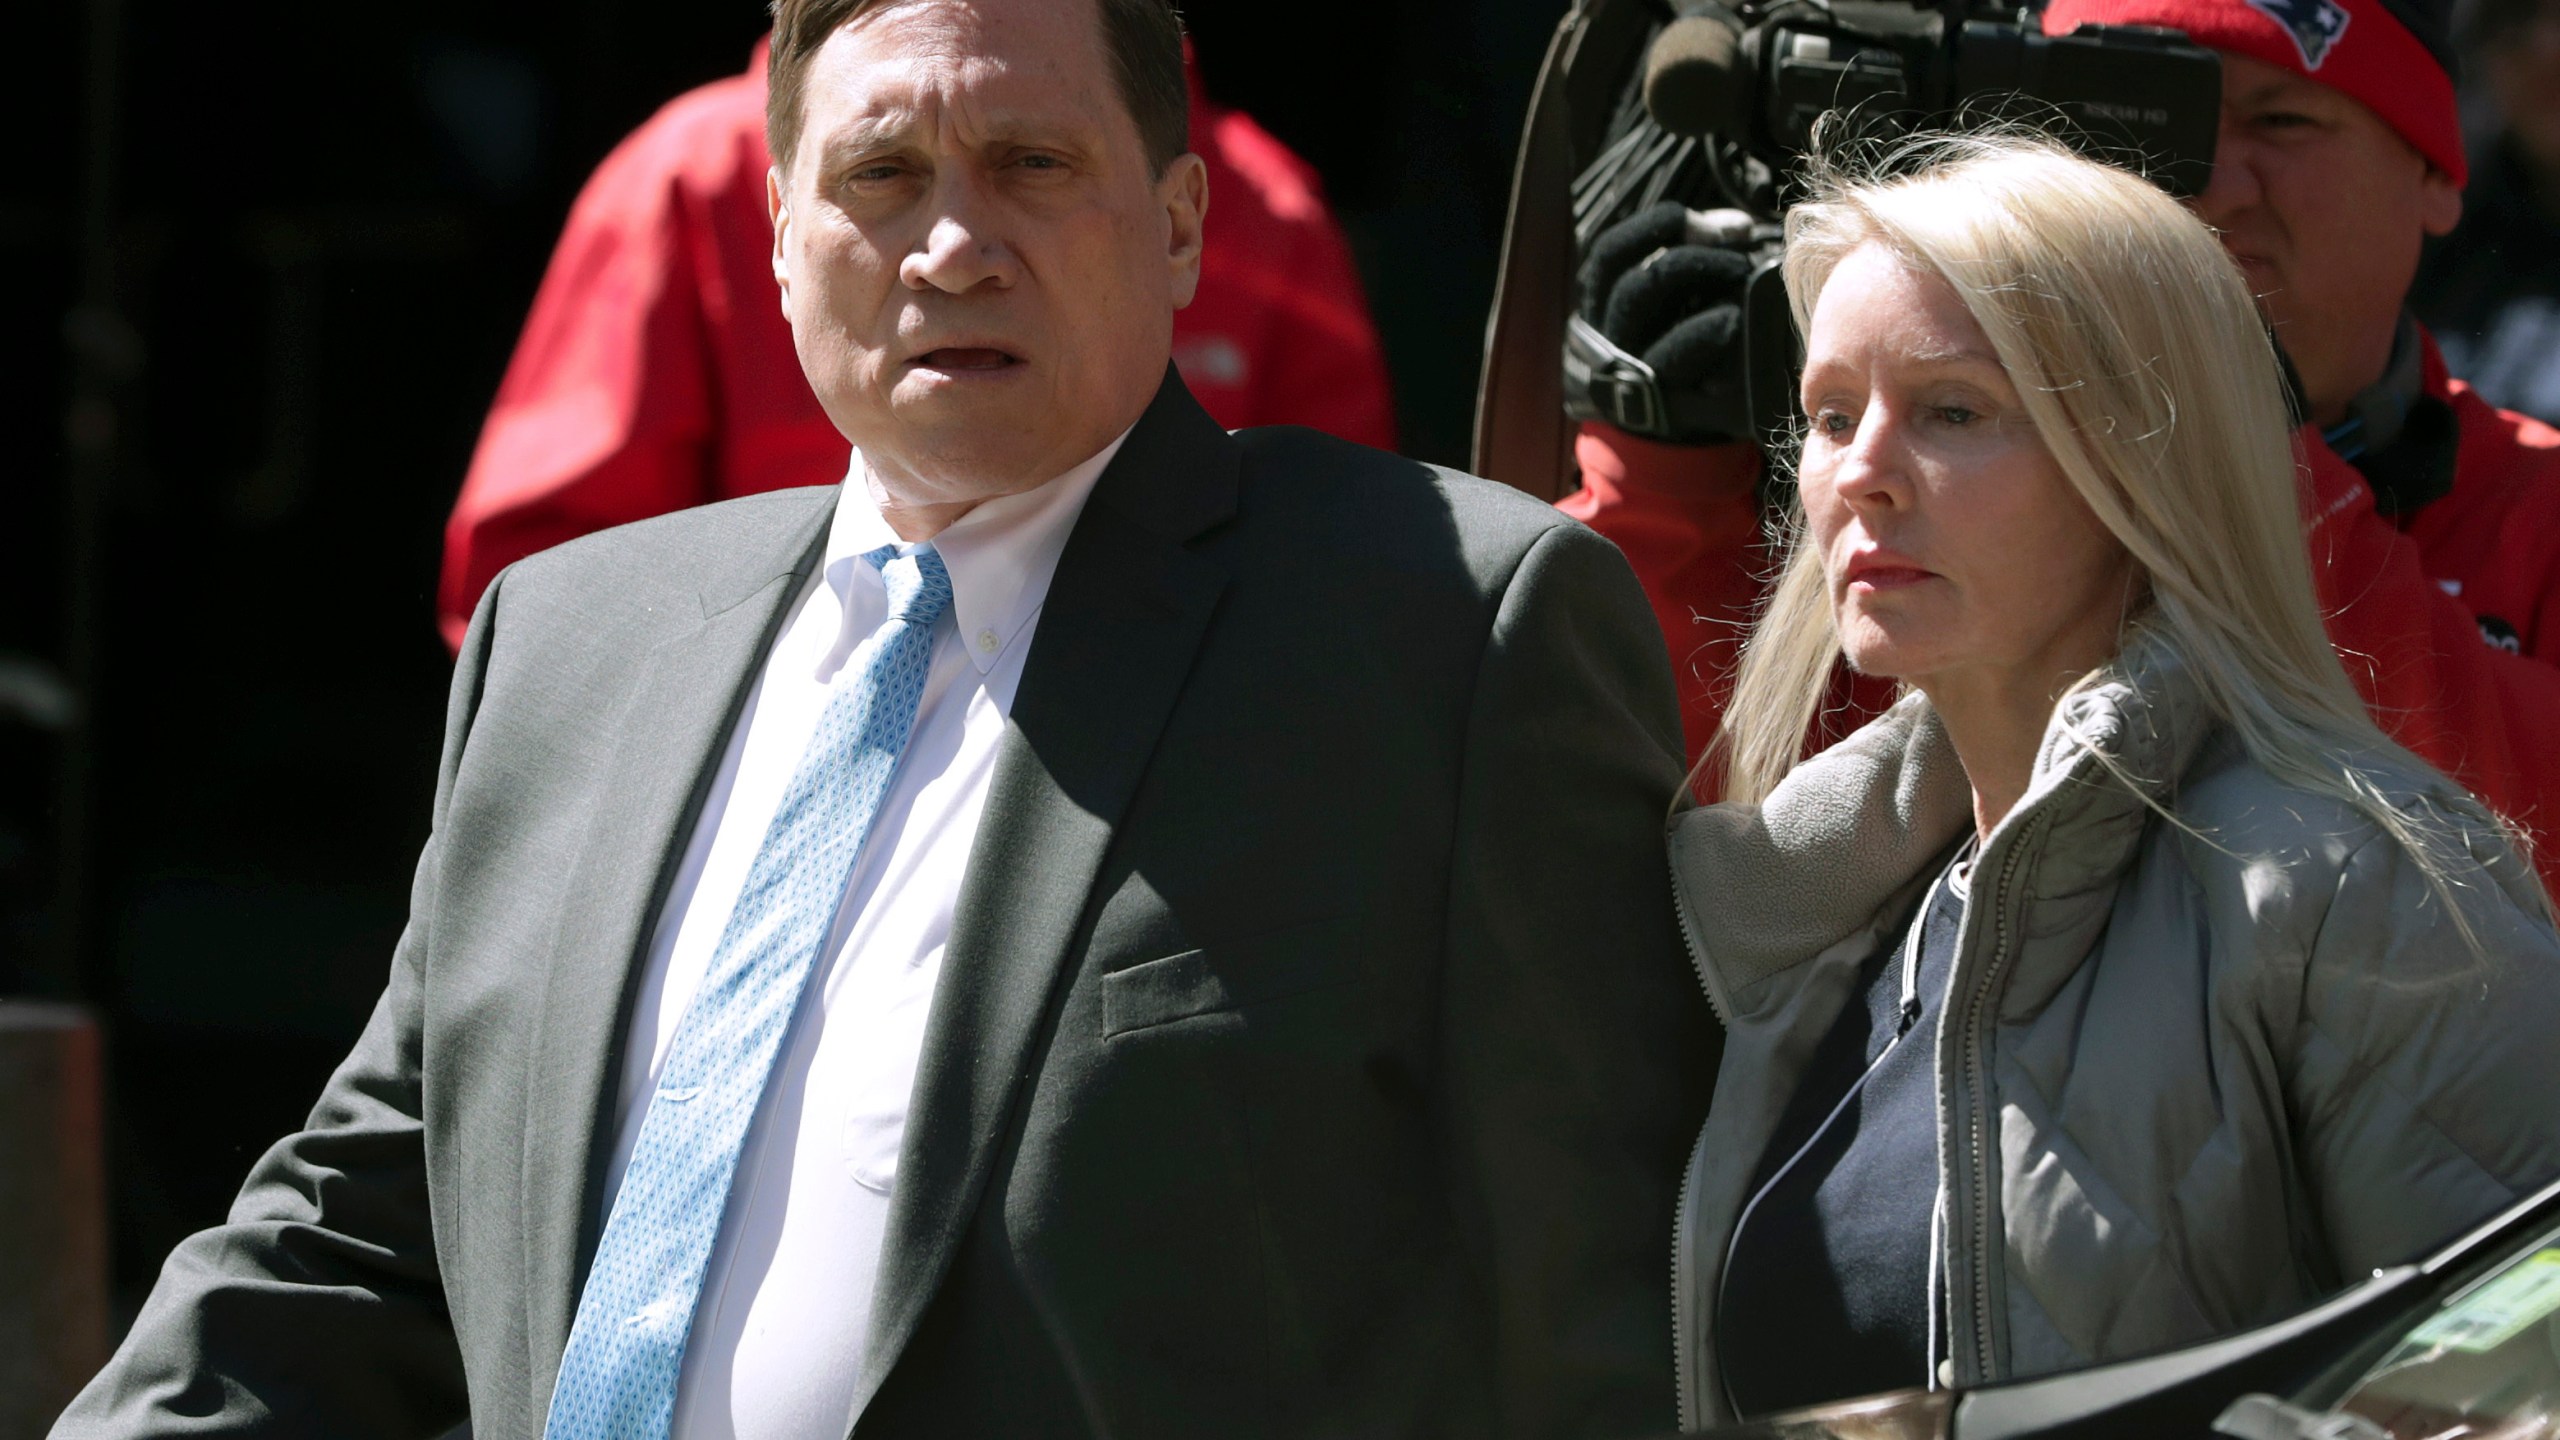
{"x":2423,"y":1066}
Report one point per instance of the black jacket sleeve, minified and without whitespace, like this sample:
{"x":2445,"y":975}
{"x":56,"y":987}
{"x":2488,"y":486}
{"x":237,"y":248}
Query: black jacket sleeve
{"x":1578,"y":1049}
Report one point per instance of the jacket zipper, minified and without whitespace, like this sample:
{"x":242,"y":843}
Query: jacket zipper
{"x":1685,"y":1364}
{"x":1689,"y":940}
{"x":1978,"y":1081}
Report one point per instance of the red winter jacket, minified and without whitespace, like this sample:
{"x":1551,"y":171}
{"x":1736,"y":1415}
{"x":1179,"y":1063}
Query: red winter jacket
{"x":1688,"y":520}
{"x":2449,"y":621}
{"x":656,"y":371}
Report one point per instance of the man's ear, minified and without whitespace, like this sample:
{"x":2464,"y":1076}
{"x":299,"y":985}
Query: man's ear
{"x":2439,"y":202}
{"x":1184,"y":193}
{"x":779,"y":211}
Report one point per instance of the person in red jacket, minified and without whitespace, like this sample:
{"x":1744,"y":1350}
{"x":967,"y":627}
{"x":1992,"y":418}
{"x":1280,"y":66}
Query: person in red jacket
{"x":656,"y":371}
{"x":2433,"y":518}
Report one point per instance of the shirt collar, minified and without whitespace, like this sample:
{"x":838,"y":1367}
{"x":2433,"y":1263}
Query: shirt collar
{"x":1000,"y":555}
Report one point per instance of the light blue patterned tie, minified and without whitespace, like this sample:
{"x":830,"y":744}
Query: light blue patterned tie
{"x":626,"y":1347}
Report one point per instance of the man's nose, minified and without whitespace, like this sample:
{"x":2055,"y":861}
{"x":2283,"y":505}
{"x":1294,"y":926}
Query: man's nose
{"x":2233,"y":187}
{"x":963,"y":248}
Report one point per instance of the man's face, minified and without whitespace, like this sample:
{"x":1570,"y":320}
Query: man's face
{"x":2325,"y":207}
{"x":979,"y":268}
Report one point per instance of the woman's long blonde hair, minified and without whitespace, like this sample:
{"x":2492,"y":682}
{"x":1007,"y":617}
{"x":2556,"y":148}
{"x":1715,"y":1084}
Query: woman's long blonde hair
{"x":2140,"y":358}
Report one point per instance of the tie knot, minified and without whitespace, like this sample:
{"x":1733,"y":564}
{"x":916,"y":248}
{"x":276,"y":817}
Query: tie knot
{"x":919,"y":587}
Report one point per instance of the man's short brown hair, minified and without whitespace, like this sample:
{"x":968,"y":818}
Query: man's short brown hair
{"x":1142,"y":37}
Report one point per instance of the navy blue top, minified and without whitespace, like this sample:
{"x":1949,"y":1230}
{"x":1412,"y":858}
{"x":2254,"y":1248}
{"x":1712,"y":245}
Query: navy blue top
{"x":1826,"y":1289}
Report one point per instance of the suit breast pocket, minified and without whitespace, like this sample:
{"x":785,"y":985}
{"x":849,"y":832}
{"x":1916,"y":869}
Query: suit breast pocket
{"x":1231,"y":974}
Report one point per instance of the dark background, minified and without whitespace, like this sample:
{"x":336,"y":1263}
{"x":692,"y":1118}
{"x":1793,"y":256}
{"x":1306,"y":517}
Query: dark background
{"x":265,"y":266}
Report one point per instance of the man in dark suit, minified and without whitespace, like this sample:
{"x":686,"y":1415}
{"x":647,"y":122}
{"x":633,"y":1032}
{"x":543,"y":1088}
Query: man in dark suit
{"x":1096,"y":927}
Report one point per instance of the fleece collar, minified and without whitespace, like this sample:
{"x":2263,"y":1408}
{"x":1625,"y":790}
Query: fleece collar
{"x":1769,"y":886}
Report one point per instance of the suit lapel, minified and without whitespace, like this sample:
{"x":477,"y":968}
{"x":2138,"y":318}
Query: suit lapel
{"x":1124,"y":615}
{"x":665,"y":748}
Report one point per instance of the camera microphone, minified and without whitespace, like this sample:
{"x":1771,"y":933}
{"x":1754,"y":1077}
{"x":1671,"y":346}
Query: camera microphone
{"x":1693,"y":83}
{"x":2129,"y":94}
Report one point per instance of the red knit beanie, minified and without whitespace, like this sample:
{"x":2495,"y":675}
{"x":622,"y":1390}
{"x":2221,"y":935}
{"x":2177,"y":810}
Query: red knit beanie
{"x":2356,"y":47}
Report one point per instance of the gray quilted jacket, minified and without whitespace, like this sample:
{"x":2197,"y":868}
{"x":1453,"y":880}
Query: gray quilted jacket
{"x":2188,"y":1082}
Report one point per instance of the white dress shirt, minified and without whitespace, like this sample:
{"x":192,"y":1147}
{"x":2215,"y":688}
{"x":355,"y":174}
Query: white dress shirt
{"x":778,"y":1337}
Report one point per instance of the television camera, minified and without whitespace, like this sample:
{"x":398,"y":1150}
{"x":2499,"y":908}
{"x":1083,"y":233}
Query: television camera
{"x":1676,"y":219}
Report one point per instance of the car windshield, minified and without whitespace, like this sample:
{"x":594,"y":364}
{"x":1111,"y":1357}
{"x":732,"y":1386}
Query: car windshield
{"x":2485,"y":1361}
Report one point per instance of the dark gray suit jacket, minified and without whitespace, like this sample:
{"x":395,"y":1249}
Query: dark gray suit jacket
{"x":1313,"y":1054}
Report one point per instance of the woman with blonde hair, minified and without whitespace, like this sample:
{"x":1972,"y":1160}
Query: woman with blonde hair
{"x":2122,"y":985}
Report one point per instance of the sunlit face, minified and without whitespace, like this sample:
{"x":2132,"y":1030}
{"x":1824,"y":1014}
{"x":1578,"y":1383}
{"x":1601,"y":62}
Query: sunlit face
{"x":979,"y":268}
{"x":1956,"y":554}
{"x":2325,"y":207}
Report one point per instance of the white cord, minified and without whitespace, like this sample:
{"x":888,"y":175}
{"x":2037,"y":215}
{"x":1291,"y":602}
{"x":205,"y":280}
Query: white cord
{"x":1937,"y":1270}
{"x":1910,"y":1014}
{"x":1958,"y":878}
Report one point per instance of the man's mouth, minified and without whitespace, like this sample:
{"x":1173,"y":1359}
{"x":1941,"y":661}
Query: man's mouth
{"x":966,"y":358}
{"x":2255,"y":266}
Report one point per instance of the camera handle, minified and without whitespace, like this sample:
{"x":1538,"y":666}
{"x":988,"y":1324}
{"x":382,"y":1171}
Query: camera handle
{"x":1603,"y":381}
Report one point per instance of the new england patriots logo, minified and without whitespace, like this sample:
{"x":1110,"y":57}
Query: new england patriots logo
{"x":2315,"y":25}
